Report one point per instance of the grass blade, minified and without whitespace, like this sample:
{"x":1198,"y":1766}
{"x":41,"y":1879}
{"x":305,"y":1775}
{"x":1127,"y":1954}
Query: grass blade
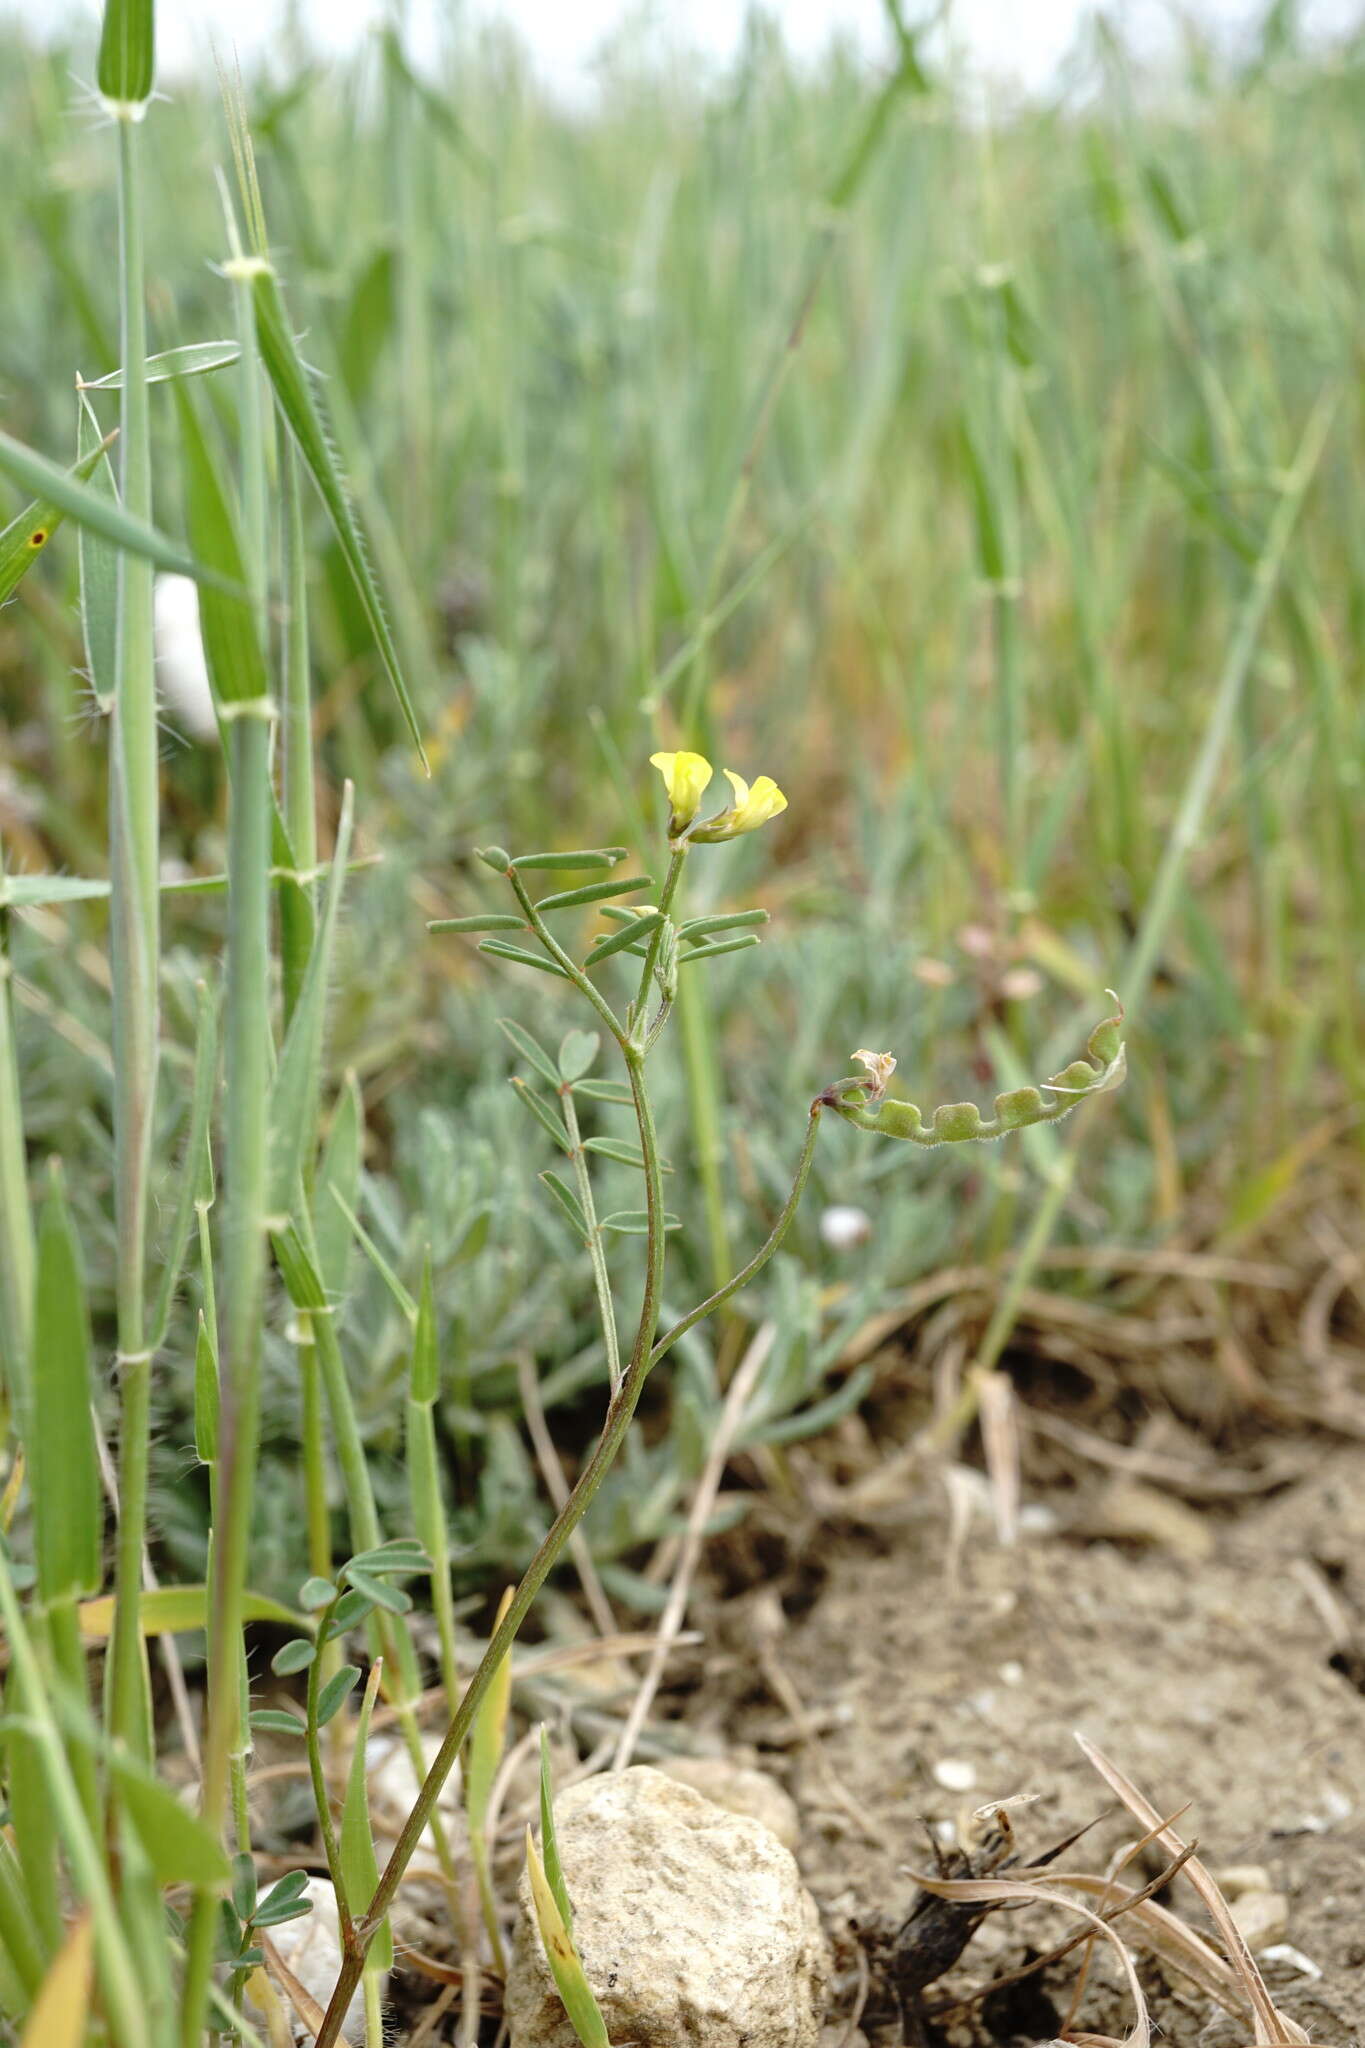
{"x":572,"y":1985}
{"x":127,"y":55}
{"x":65,"y":1482}
{"x":24,"y":539}
{"x":294,"y":1094}
{"x":359,"y":1865}
{"x":59,"y":2014}
{"x":232,"y":647}
{"x":92,"y":509}
{"x":304,"y":417}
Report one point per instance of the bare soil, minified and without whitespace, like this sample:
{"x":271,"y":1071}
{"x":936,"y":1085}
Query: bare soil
{"x":1212,"y":1655}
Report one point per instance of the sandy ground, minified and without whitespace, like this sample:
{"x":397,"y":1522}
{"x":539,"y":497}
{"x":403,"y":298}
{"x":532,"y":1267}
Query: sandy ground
{"x":931,"y":1675}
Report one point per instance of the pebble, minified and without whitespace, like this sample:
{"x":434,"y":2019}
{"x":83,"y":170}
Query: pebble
{"x":955,"y":1774}
{"x":1261,"y":1918}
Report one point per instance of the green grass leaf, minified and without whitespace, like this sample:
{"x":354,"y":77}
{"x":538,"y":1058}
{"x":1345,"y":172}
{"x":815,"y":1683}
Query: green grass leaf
{"x":549,"y":1840}
{"x":68,"y":1512}
{"x":91,"y":508}
{"x":179,"y":1846}
{"x":424,"y":1381}
{"x":127,"y":58}
{"x":179,"y":1611}
{"x":488,"y":1734}
{"x":227,"y":623}
{"x":338,"y":1183}
{"x":572,"y":1985}
{"x":60,"y":2012}
{"x":304,"y":417}
{"x":24,"y":539}
{"x":98,"y":560}
{"x":359,"y":1866}
{"x":294,"y":1092}
{"x":194,"y":359}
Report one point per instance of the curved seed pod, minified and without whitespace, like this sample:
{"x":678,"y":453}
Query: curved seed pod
{"x":956,"y":1123}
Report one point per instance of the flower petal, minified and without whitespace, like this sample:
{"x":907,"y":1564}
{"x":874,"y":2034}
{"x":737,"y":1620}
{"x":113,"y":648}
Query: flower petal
{"x":685,"y":778}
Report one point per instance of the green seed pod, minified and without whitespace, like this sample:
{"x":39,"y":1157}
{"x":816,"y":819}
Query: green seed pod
{"x":1018,"y":1107}
{"x":1077,"y":1079}
{"x":898,"y":1120}
{"x":955,"y":1121}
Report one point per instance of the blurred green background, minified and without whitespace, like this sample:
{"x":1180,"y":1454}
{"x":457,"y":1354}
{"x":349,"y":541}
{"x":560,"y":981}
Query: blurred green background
{"x":921,"y":460}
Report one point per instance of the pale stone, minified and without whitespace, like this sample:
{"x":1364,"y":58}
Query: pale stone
{"x":955,"y":1774}
{"x":1232,"y":1879}
{"x":739,"y":1788}
{"x":310,"y":1949}
{"x":393,"y":1785}
{"x":692,"y":1923}
{"x":1262,"y":1918}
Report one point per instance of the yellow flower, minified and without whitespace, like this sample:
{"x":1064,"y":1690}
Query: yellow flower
{"x":751,"y":808}
{"x":685,"y":778}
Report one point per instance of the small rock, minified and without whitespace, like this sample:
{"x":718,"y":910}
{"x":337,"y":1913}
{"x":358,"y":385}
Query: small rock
{"x":393,"y":1787}
{"x":1235,"y":1878}
{"x":1262,"y":1918}
{"x":692,"y":1923}
{"x":310,"y":1947}
{"x":955,"y":1774}
{"x":842,"y":1227}
{"x":1291,"y":1959}
{"x":739,"y":1788}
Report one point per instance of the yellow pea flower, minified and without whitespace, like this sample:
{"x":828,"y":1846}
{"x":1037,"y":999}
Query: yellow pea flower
{"x":751,"y":808}
{"x":685,"y":778}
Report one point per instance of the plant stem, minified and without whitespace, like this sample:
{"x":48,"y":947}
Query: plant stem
{"x":135,"y":939}
{"x":562,"y":959}
{"x":605,"y":1306}
{"x":119,"y":1989}
{"x":1184,"y":836}
{"x":321,"y":1796}
{"x":244,"y":1262}
{"x":644,"y":1355}
{"x":760,"y":1257}
{"x":672,"y":881}
{"x":17,"y":1256}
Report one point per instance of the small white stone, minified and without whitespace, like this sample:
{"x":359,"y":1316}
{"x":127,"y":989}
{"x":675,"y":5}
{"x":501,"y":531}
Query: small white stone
{"x":1011,"y":1672}
{"x":1292,"y":1958}
{"x":955,"y":1774}
{"x":311,"y":1948}
{"x":393,"y":1788}
{"x":1036,"y":1518}
{"x":1261,"y":1918}
{"x":842,"y":1227}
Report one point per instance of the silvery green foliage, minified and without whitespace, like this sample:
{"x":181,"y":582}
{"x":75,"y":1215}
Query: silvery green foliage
{"x":955,"y":1123}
